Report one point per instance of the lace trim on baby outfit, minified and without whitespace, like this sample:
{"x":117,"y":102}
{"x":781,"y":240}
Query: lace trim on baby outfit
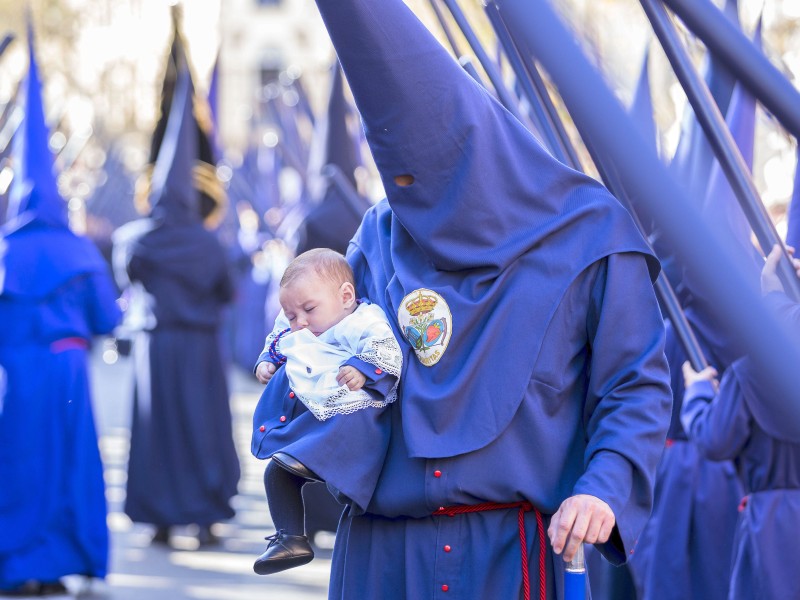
{"x":384,"y":354}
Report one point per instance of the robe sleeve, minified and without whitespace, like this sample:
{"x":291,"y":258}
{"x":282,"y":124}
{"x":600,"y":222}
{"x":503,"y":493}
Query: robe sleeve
{"x":718,"y":424}
{"x":628,"y":405}
{"x":379,"y":383}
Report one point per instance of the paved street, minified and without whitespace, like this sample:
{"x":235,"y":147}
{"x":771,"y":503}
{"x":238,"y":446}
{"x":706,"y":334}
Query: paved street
{"x":140,"y":571}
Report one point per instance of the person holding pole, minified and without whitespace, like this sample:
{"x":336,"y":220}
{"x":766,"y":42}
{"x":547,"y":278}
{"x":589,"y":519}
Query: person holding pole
{"x":728,"y":420}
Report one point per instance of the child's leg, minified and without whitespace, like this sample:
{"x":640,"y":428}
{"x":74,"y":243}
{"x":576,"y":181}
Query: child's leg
{"x":289,"y":547}
{"x":285,"y":498}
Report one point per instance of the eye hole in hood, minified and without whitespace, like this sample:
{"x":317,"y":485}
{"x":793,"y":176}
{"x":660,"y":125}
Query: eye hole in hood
{"x":404,"y":180}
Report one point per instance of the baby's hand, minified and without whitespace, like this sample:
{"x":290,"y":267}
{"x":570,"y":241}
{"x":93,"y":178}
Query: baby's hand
{"x":265,"y":370}
{"x":351,"y":377}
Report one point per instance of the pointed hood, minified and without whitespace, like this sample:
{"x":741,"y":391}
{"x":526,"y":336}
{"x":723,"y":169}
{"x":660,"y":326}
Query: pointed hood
{"x":692,"y":163}
{"x":793,"y":226}
{"x":334,"y":143}
{"x":720,"y":202}
{"x":38,"y":251}
{"x":34,"y":191}
{"x":334,"y":158}
{"x":472,"y":258}
{"x":724,"y":216}
{"x":292,"y":144}
{"x":694,"y":157}
{"x":213,"y":107}
{"x":173,"y":236}
{"x":302,"y":97}
{"x":332,"y":223}
{"x":258,"y":174}
{"x":212,"y":200}
{"x":425,"y":117}
{"x":641,"y":109}
{"x":173,"y":198}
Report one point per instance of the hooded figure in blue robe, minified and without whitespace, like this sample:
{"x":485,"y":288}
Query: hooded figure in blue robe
{"x":685,"y":549}
{"x":733,"y":422}
{"x":183,"y":468}
{"x":533,"y":343}
{"x":56,"y":294}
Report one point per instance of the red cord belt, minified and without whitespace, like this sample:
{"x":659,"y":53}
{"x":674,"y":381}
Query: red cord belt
{"x":452,"y":511}
{"x":69,"y":343}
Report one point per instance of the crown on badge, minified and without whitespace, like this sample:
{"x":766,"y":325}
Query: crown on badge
{"x":421,"y":304}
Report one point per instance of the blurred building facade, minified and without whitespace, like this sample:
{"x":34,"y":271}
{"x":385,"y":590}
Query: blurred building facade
{"x":261,"y":39}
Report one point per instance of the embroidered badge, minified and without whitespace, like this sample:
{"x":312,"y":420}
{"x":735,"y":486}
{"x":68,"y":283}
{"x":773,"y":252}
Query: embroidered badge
{"x":426,"y":322}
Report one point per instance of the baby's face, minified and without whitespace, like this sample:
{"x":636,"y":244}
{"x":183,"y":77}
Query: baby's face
{"x":316,"y":304}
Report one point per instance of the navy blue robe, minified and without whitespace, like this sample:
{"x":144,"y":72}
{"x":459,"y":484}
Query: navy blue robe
{"x":728,"y":425}
{"x":572,"y":433}
{"x":684,"y":550}
{"x":533,"y":367}
{"x":183,"y":467}
{"x":58,"y":294}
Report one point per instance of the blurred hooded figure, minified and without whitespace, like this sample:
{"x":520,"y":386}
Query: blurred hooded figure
{"x":183,"y":468}
{"x":335,"y":156}
{"x":731,"y":420}
{"x":685,"y":549}
{"x":535,"y":392}
{"x":55,"y":294}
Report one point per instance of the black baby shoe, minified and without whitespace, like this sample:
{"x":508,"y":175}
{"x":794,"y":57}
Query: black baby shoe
{"x":291,"y":464}
{"x":283,"y":552}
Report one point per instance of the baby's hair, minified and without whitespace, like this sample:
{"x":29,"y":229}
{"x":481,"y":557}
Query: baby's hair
{"x":326,"y":263}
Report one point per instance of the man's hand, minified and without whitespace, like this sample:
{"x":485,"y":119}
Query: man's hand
{"x":265,"y":370}
{"x":351,"y":377}
{"x":770,"y":282}
{"x":691,"y":376}
{"x":580,"y":519}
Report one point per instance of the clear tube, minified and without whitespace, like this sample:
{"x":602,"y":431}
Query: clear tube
{"x":577,"y":564}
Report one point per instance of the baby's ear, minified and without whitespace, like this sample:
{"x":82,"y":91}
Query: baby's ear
{"x":348,"y":293}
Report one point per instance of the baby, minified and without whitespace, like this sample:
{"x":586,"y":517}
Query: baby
{"x":336,"y":355}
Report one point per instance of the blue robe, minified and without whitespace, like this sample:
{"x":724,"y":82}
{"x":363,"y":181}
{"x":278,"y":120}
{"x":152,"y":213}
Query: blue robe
{"x":684,"y":550}
{"x":730,"y":426}
{"x":527,"y":374}
{"x":183,"y":467}
{"x":600,"y":434}
{"x":58,"y":294}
